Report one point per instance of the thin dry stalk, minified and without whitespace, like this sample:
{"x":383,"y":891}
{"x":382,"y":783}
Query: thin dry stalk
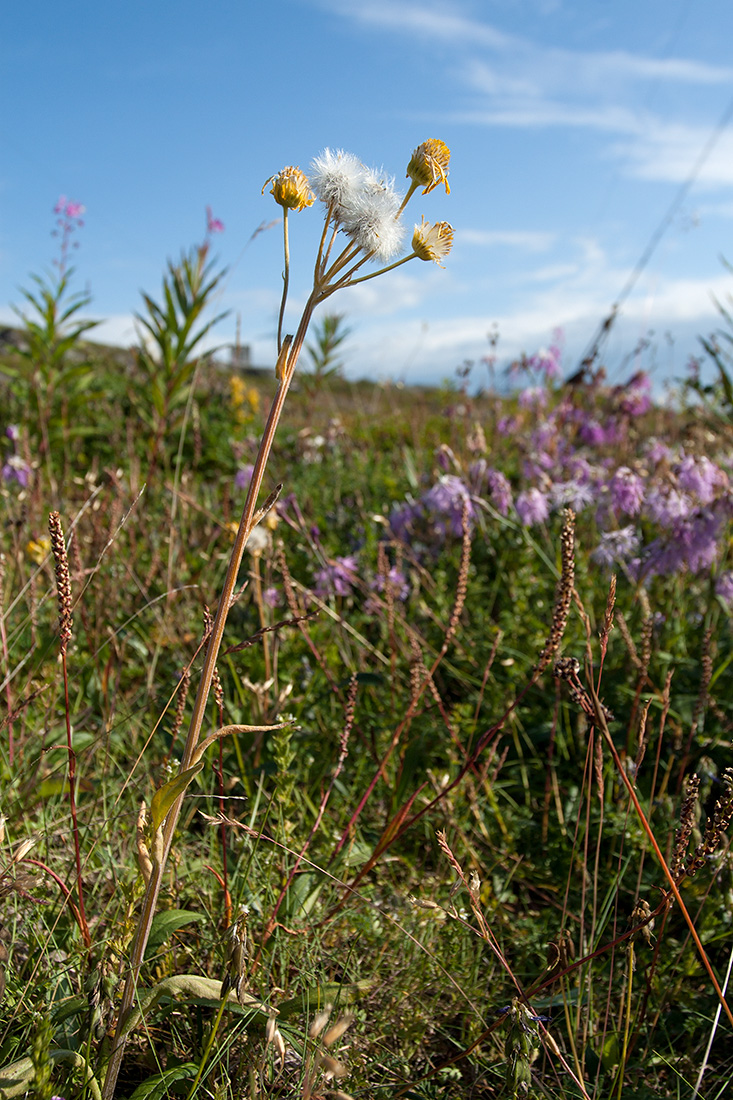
{"x":219,"y":770}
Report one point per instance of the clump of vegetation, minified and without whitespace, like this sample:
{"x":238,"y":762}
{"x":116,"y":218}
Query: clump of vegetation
{"x":435,"y":800}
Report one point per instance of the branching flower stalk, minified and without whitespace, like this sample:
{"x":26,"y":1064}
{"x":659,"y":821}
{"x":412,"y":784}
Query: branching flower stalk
{"x":363,"y":205}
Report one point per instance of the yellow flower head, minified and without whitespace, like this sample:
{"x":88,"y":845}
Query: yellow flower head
{"x":429,"y":165}
{"x":432,"y":242}
{"x":290,"y":189}
{"x":38,"y":549}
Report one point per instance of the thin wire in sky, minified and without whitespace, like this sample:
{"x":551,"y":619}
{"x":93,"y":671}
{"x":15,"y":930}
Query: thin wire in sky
{"x":606,"y":325}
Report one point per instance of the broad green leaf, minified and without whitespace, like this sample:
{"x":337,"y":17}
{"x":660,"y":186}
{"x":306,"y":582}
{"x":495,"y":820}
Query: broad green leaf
{"x":166,"y":923}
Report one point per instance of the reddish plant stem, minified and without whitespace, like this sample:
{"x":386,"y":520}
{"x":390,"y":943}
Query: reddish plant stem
{"x":72,"y":806}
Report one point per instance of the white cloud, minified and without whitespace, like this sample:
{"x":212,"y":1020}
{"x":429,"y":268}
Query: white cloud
{"x":523,"y":84}
{"x":667,"y":152}
{"x":419,"y":349}
{"x":524,"y":240}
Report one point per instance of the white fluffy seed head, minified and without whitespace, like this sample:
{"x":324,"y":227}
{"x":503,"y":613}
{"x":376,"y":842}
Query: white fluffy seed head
{"x":372,"y":219}
{"x":363,"y":203}
{"x":336,"y":177}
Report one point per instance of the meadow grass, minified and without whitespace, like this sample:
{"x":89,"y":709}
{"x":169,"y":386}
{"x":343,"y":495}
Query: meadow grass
{"x":459,"y":824}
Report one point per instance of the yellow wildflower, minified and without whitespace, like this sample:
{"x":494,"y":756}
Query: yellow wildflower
{"x":432,"y":242}
{"x":38,"y":549}
{"x":290,"y":189}
{"x":429,"y":165}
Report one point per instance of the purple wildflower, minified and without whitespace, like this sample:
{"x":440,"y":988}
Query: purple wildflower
{"x":578,"y":494}
{"x":213,"y":225}
{"x":592,"y":433}
{"x":500,"y":491}
{"x":395,"y":580}
{"x":337,"y":577}
{"x":446,"y":501}
{"x":657,"y":452}
{"x":532,"y":507}
{"x":547,"y":361}
{"x":13,"y":432}
{"x":17,"y":469}
{"x":507,"y":425}
{"x":627,"y":491}
{"x":534,"y":397}
{"x":616,"y":546}
{"x":634,"y":398}
{"x":243,"y":477}
{"x":701,"y":477}
{"x":667,"y":507}
{"x":271,"y":596}
{"x":403,"y":520}
{"x":693,"y":546}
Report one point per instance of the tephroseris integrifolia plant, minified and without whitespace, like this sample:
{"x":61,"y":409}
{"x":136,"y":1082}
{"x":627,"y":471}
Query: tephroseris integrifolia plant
{"x":363,"y":223}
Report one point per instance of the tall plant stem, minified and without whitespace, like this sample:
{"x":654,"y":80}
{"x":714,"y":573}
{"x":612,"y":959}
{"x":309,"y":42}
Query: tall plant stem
{"x":286,"y":280}
{"x":287,"y":361}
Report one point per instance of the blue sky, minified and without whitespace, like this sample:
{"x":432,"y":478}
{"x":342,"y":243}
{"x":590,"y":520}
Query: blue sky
{"x":572,"y":126}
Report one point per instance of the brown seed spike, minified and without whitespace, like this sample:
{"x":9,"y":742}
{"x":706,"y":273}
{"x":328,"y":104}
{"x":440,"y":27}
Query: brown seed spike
{"x":63,"y":579}
{"x":564,"y":594}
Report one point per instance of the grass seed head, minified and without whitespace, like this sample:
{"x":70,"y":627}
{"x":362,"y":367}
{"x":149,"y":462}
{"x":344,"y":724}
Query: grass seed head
{"x":63,"y":578}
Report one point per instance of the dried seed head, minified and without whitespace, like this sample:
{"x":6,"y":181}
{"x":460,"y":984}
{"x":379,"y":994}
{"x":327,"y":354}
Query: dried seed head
{"x":144,"y":861}
{"x":63,"y":579}
{"x":290,"y":189}
{"x":687,"y":820}
{"x":23,"y":849}
{"x":608,"y":616}
{"x":564,"y":593}
{"x":432,"y":242}
{"x":560,"y":952}
{"x":640,"y":914}
{"x":716,"y":826}
{"x":320,"y":1021}
{"x":428,"y":165}
{"x":236,"y":957}
{"x":334,"y":1033}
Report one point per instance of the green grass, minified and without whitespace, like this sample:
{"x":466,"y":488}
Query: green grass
{"x":366,"y":913}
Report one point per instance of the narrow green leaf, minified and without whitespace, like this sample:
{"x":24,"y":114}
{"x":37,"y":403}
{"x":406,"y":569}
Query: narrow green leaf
{"x":158,"y":1085}
{"x":164,"y":798}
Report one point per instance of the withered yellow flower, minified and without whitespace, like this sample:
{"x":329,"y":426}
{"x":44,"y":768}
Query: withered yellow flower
{"x":432,"y":242}
{"x":429,"y":165}
{"x":290,"y":189}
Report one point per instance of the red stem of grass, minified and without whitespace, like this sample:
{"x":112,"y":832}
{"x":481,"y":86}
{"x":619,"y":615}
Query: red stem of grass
{"x":82,"y":918}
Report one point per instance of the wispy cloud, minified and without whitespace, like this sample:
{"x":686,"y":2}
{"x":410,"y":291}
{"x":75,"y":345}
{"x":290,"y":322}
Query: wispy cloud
{"x":516,"y":82}
{"x":524,"y":240}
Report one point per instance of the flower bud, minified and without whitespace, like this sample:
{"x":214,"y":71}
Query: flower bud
{"x":432,"y":242}
{"x":429,"y":165}
{"x":290,"y":189}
